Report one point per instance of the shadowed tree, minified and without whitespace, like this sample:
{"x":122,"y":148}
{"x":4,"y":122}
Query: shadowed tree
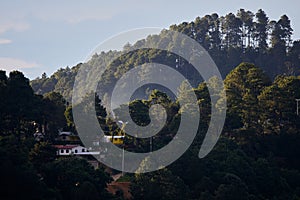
{"x":261,"y":30}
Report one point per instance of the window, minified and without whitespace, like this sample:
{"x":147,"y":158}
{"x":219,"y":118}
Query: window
{"x":76,"y":151}
{"x":83,"y":150}
{"x":67,"y":151}
{"x":61,"y":151}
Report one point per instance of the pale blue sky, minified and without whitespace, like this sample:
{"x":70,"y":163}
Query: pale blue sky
{"x":42,"y":36}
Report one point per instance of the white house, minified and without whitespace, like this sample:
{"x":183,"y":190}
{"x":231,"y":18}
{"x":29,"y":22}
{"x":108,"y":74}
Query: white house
{"x":66,"y":150}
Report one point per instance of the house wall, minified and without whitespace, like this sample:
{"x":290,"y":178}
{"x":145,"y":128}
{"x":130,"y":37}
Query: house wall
{"x":79,"y":150}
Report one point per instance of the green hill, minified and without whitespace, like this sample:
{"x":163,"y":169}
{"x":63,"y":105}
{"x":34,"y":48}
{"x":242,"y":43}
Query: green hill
{"x":230,"y":40}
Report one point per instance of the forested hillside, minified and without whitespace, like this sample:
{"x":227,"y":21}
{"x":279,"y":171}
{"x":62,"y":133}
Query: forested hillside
{"x":230,"y":40}
{"x":256,"y":157}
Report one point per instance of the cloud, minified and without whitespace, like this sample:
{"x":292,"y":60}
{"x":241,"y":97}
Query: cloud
{"x":5,"y":41}
{"x":76,"y":14}
{"x":88,"y":16}
{"x":10,"y":64}
{"x":72,"y":11}
{"x":6,"y":25}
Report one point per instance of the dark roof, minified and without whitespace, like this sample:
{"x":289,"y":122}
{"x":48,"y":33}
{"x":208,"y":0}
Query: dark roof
{"x":68,"y":146}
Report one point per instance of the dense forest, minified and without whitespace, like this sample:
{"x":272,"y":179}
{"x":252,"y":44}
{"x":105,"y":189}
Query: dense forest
{"x":257,"y":156}
{"x":230,"y":40}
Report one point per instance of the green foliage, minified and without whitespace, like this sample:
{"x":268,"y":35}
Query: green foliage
{"x":61,"y":82}
{"x":30,"y":169}
{"x":19,"y":179}
{"x":72,"y":175}
{"x":69,"y":116}
{"x":278,"y":105}
{"x":33,"y":172}
{"x":53,"y":110}
{"x":161,"y":184}
{"x":229,"y":172}
{"x":243,"y":85}
{"x":19,"y":105}
{"x":41,"y":154}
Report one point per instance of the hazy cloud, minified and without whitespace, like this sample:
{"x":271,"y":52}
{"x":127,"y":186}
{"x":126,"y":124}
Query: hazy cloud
{"x":6,"y":25}
{"x":76,"y":14}
{"x":67,"y":11}
{"x":5,"y":41}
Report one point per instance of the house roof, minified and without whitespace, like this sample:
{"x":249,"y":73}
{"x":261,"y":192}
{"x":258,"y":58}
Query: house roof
{"x":65,"y":133}
{"x":68,"y":146}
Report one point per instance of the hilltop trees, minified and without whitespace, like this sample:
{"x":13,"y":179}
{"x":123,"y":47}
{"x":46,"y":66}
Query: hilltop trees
{"x":281,"y":32}
{"x":231,"y":39}
{"x":246,"y":18}
{"x":244,"y":37}
{"x":231,"y":28}
{"x":261,"y":30}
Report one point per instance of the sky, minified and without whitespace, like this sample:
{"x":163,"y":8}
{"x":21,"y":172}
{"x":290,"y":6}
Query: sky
{"x":43,"y":36}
